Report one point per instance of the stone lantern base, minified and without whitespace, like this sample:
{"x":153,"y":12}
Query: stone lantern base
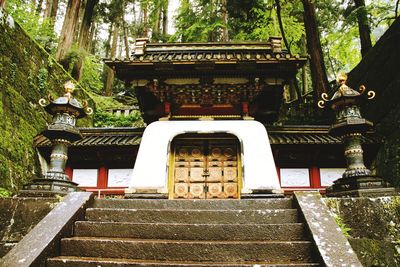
{"x":361,"y":186}
{"x":43,"y":187}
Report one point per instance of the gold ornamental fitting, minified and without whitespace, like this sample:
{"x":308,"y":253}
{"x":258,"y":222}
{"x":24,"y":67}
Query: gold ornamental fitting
{"x":69,"y":89}
{"x":342,"y":78}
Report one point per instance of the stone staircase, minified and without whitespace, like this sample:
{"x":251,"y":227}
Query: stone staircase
{"x":198,"y":233}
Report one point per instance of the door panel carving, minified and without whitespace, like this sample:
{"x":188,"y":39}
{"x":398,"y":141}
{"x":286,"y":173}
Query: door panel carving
{"x":205,"y":168}
{"x":196,"y":174}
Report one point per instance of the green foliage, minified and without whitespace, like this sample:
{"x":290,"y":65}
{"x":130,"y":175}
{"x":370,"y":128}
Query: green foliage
{"x":42,"y":77}
{"x":106,"y":119}
{"x":5,"y":193}
{"x":345,"y":229}
{"x":339,"y":31}
{"x":40,"y":29}
{"x":198,"y":20}
{"x":91,"y":74}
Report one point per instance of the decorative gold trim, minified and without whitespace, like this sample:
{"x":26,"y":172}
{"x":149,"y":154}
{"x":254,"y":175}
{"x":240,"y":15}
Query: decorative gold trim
{"x":60,"y":156}
{"x":42,"y":102}
{"x":171,"y":169}
{"x":353,"y":151}
{"x":321,"y":104}
{"x":324,"y":96}
{"x":361,"y":89}
{"x":371,"y":94}
{"x":239,"y":170}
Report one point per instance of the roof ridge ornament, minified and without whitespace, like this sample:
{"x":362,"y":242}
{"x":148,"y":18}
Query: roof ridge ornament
{"x":276,"y":44}
{"x":140,"y":46}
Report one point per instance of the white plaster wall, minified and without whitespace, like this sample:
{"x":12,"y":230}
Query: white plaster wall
{"x":151,"y":167}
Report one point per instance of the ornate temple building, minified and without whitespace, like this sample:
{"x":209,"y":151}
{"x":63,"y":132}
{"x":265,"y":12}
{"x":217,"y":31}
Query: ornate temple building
{"x":210,"y":110}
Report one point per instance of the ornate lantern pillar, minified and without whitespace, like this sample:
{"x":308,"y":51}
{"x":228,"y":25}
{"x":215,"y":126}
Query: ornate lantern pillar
{"x":61,"y":132}
{"x":349,"y":125}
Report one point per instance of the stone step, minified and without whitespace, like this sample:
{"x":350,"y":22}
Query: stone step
{"x":180,"y":231}
{"x":68,"y":261}
{"x":264,"y":216}
{"x":173,"y":250}
{"x":229,"y":204}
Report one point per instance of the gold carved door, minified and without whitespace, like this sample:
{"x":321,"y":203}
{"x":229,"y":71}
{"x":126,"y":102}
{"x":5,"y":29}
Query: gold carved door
{"x":205,"y":168}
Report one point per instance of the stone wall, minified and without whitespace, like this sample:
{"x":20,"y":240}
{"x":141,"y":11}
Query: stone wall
{"x":18,"y":216}
{"x":373,"y":227}
{"x":27,"y":73}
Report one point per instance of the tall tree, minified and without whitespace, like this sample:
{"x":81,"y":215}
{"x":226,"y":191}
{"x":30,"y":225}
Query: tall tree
{"x":165,"y":18}
{"x":113,"y":52}
{"x":224,"y":14}
{"x":317,"y":65}
{"x":51,"y":9}
{"x":125,"y":36}
{"x":39,"y":7}
{"x":363,"y":27}
{"x":87,"y":21}
{"x":145,"y":20}
{"x":280,"y":22}
{"x":67,"y":31}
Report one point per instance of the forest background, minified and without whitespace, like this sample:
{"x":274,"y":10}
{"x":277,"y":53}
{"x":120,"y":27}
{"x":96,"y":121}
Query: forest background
{"x":335,"y":34}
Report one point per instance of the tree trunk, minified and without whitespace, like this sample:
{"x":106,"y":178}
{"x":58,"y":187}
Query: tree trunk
{"x":87,"y":20}
{"x":51,"y":10}
{"x":110,"y":72}
{"x":224,"y":11}
{"x":67,"y":31}
{"x":126,"y":42}
{"x":39,"y":7}
{"x":54,"y":9}
{"x":145,"y":20}
{"x":165,"y":19}
{"x":109,"y":39}
{"x":92,"y":46}
{"x":363,"y":27}
{"x":278,"y":13}
{"x":155,"y":29}
{"x":47,"y":10}
{"x":317,"y":65}
{"x":2,"y":3}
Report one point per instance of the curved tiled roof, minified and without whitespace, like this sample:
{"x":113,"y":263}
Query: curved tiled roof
{"x":284,"y":135}
{"x":270,"y":51}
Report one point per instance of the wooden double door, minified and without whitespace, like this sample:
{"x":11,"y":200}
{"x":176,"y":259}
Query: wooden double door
{"x":205,"y":167}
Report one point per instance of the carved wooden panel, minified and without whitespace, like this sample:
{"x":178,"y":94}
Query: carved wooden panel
{"x":230,"y":174}
{"x":215,"y":190}
{"x":196,"y":190}
{"x":215,"y":174}
{"x":197,"y":174}
{"x":206,"y":168}
{"x":181,"y":174}
{"x":231,"y":190}
{"x":181,"y":190}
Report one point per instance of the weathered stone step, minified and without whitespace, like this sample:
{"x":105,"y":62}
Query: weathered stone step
{"x":173,"y":250}
{"x":281,"y":203}
{"x":192,"y":216}
{"x":180,"y":231}
{"x":68,"y":261}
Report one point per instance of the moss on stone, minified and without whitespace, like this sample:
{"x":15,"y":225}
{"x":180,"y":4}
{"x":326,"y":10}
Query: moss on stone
{"x":373,"y":252}
{"x":374,"y":227}
{"x":27,"y":73}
